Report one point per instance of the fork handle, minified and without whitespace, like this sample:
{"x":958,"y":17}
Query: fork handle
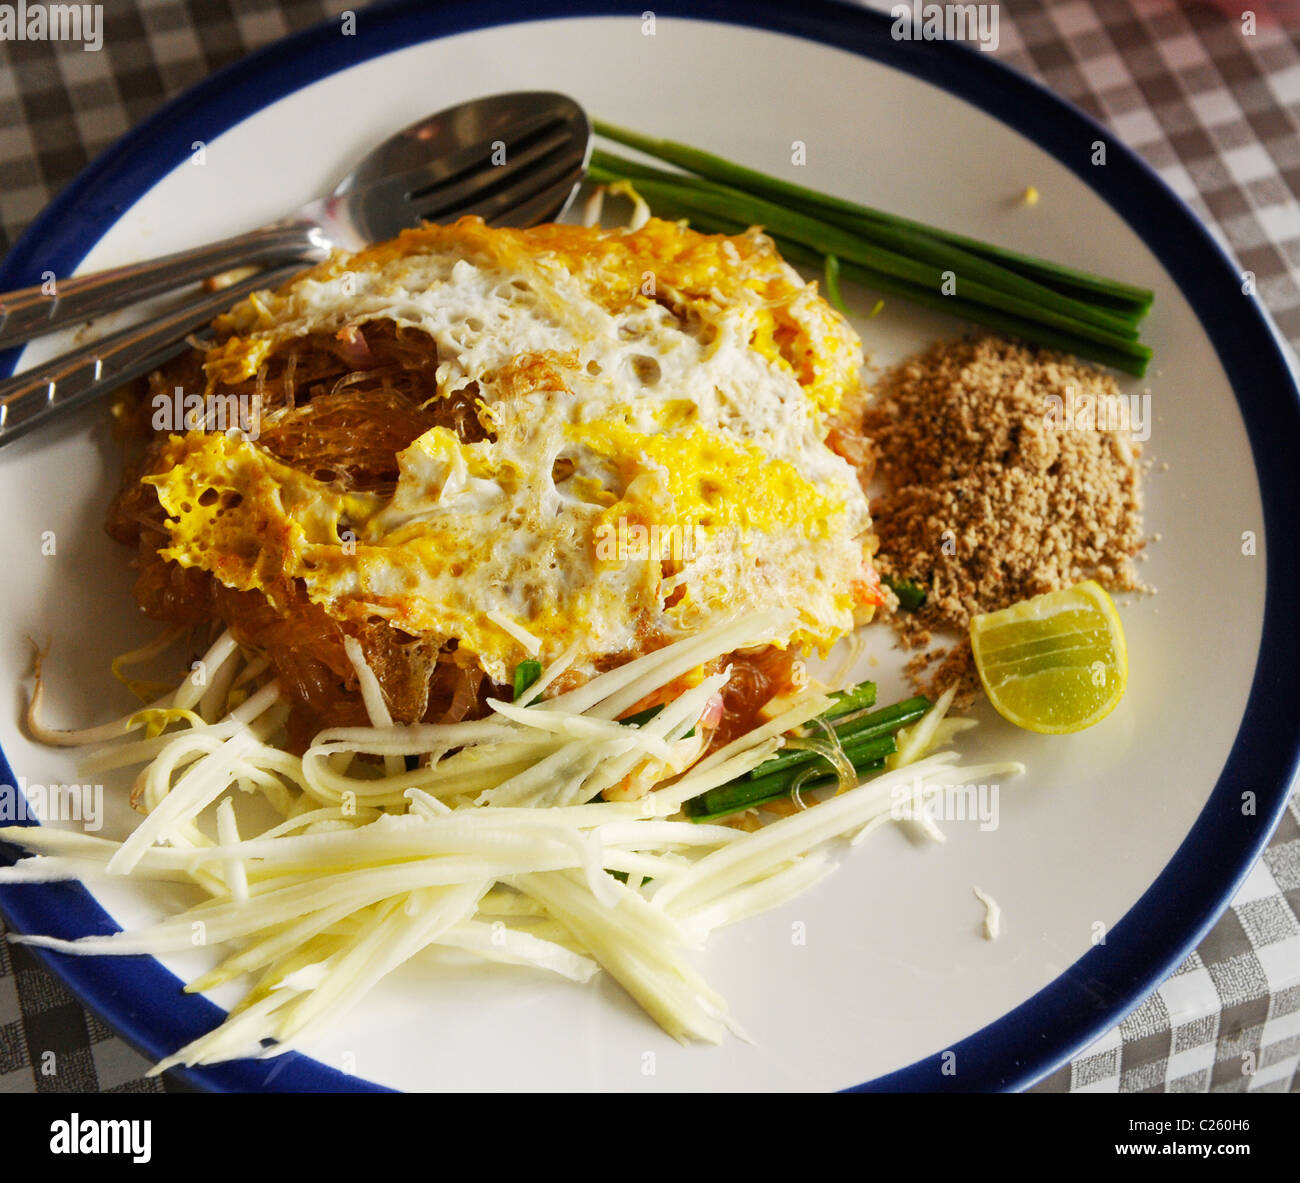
{"x":74,"y":379}
{"x":32,"y":312}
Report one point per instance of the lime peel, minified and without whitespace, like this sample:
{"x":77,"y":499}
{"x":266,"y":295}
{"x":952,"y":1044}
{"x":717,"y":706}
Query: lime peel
{"x":1056,"y":663}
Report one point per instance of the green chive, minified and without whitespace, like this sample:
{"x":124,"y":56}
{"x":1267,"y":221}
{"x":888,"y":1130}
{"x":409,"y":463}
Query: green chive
{"x":1040,"y":302}
{"x":887,"y":719}
{"x":716,"y":168}
{"x":856,"y":698}
{"x":833,"y":285}
{"x":526,"y":673}
{"x":641,"y":718}
{"x":965,"y":266}
{"x":911,"y":596}
{"x":852,"y":733}
{"x":749,"y":794}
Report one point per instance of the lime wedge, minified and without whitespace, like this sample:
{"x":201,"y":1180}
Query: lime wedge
{"x":1055,"y":663}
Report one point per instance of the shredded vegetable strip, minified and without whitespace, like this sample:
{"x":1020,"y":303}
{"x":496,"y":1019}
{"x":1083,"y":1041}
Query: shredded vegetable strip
{"x":372,"y":696}
{"x":497,"y":846}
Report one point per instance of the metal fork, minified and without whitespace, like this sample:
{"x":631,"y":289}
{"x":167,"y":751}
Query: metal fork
{"x":512,"y":159}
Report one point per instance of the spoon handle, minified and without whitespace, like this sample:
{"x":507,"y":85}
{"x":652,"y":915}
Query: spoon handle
{"x":74,"y":379}
{"x":62,"y":303}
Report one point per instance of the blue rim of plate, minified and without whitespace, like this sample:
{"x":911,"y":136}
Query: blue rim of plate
{"x":1166,"y":923}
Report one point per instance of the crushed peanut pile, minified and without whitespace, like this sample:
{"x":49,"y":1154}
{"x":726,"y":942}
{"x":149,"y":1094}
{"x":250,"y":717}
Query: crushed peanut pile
{"x":1000,"y":483}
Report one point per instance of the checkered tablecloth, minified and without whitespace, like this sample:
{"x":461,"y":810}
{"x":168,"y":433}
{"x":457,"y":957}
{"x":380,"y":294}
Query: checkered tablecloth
{"x":1208,"y":93}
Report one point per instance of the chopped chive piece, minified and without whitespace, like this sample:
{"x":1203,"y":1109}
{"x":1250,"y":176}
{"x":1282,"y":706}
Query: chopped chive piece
{"x":866,"y":738}
{"x":856,"y":698}
{"x":833,"y":285}
{"x":641,"y":718}
{"x":887,"y":719}
{"x":865,"y":748}
{"x":740,"y":795}
{"x":851,"y":734}
{"x":526,"y":673}
{"x":911,"y":596}
{"x":860,"y":747}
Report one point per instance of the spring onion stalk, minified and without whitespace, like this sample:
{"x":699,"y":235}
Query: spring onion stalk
{"x":865,"y":739}
{"x":1119,"y":295}
{"x":856,"y":698}
{"x":920,"y":281}
{"x":1131,"y":358}
{"x":855,"y":730}
{"x":1033,"y":299}
{"x":928,"y":269}
{"x":795,"y":836}
{"x":886,"y":719}
{"x":915,"y":742}
{"x":751,"y":800}
{"x":858,"y":750}
{"x":750,"y":794}
{"x":905,"y":242}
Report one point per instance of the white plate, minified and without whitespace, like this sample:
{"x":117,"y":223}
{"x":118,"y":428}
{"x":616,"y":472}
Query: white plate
{"x":1133,"y":830}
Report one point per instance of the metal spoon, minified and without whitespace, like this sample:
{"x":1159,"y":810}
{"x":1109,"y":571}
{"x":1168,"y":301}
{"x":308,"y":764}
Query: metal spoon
{"x":513,"y":159}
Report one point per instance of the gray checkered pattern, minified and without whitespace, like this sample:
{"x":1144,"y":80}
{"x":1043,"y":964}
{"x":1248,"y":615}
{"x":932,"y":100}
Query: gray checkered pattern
{"x":1228,"y":1019}
{"x":50,"y":1044}
{"x":1214,"y":108}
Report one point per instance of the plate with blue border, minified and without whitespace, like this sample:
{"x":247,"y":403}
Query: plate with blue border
{"x":1112,"y":856}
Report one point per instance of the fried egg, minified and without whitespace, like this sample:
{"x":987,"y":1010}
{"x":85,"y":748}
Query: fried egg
{"x":656,"y":404}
